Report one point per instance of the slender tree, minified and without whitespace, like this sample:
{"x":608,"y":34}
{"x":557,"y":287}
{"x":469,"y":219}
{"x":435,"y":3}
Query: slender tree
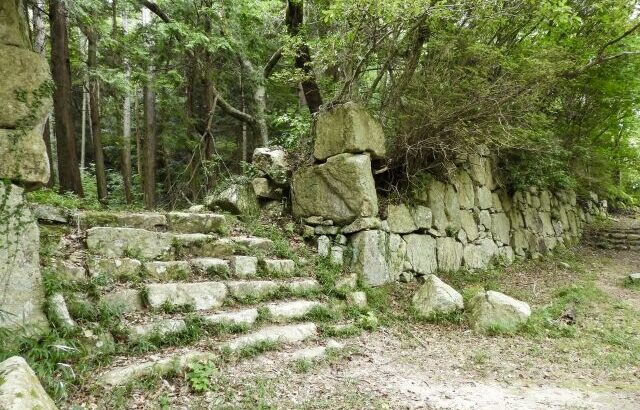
{"x":68,"y":171}
{"x":126,"y":125}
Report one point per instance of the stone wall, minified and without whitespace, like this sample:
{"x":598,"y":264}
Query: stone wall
{"x":25,"y":86}
{"x":468,"y":222}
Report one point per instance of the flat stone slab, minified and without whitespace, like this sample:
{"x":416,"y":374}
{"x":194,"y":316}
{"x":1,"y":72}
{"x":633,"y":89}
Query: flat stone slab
{"x":302,"y":285}
{"x":166,"y":270}
{"x":160,"y":327}
{"x":180,"y":362}
{"x":279,"y":334}
{"x":211,"y":266}
{"x":123,"y":242}
{"x":113,"y":267}
{"x":125,"y":301}
{"x":58,"y":310}
{"x":253,"y":242}
{"x":239,"y":317}
{"x":317,"y":352}
{"x":203,"y":245}
{"x":200,"y":295}
{"x":278,"y":267}
{"x":188,"y":222}
{"x":291,"y":310}
{"x":252,"y":289}
{"x":20,"y":388}
{"x":142,"y":220}
{"x":244,"y":266}
{"x":634,"y":277}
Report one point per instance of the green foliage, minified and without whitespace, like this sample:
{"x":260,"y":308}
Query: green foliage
{"x":199,"y":376}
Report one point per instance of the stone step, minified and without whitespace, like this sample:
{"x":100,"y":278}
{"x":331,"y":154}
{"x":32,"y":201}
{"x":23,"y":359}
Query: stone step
{"x":257,"y":290}
{"x":178,"y":362}
{"x":278,"y":334}
{"x":296,"y":309}
{"x":183,"y":222}
{"x":197,"y":295}
{"x":150,"y":245}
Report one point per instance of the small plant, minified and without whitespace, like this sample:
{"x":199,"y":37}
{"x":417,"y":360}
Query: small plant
{"x":302,"y":365}
{"x":199,"y":376}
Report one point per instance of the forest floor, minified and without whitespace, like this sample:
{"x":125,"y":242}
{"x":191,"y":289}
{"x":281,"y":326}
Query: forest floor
{"x":591,"y":364}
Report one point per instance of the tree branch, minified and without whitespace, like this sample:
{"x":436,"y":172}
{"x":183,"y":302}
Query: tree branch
{"x":271,"y":64}
{"x":155,"y":9}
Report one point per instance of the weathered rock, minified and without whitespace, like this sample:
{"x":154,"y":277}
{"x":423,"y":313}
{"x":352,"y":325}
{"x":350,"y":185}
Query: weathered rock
{"x":452,"y":208}
{"x":203,"y":245}
{"x":162,"y":327}
{"x":252,"y":289}
{"x":357,"y":299}
{"x":23,"y":154}
{"x":244,"y":266}
{"x":362,"y":224}
{"x":324,"y":246}
{"x":238,"y":317}
{"x":124,"y":301}
{"x":70,"y":272}
{"x":200,"y":295}
{"x":252,"y":243}
{"x":211,"y":266}
{"x":58,"y":311}
{"x":302,"y":286}
{"x":464,"y":188}
{"x":20,"y":388}
{"x":278,"y":267}
{"x":188,"y":222}
{"x":484,"y":199}
{"x":326,"y":230}
{"x":501,"y":228}
{"x":50,"y":214}
{"x":479,"y":256}
{"x":435,"y":296}
{"x":167,"y":270}
{"x":121,"y":242}
{"x":277,"y":334}
{"x":21,"y":296}
{"x":337,"y":255}
{"x":14,"y":30}
{"x":113,"y":268}
{"x":369,"y":259}
{"x":263,"y":188}
{"x":436,"y":202}
{"x":422,"y":216}
{"x":468,"y":224}
{"x":348,"y":128}
{"x":477,"y":168}
{"x":505,"y":255}
{"x":296,"y":309}
{"x":273,"y":163}
{"x":421,"y":253}
{"x":239,"y":199}
{"x":484,"y":219}
{"x":342,"y":189}
{"x":449,"y":253}
{"x":496,"y":311}
{"x":634,"y":277}
{"x":400,"y":219}
{"x":143,"y":220}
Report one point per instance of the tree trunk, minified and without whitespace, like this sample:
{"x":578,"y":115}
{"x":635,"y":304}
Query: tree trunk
{"x":126,"y":126}
{"x":294,"y":19}
{"x":98,"y":153}
{"x":149,"y":145}
{"x":68,"y":171}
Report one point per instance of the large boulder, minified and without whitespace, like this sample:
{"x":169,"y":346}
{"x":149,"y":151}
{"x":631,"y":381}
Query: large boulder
{"x":14,"y":30}
{"x":272,"y":162}
{"x":22,"y":295}
{"x":348,"y":128}
{"x":20,"y":388}
{"x":24,"y":155}
{"x":435,"y":297}
{"x":496,"y":311}
{"x":239,"y":199}
{"x":342,"y":189}
{"x":449,"y":252}
{"x":370,"y":255}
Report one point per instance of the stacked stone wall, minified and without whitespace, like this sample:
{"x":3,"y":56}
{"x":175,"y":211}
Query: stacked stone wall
{"x":468,"y":222}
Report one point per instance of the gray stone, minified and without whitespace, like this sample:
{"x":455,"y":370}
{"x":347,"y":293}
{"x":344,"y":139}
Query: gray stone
{"x":479,"y":256}
{"x":113,"y":267}
{"x":484,"y":220}
{"x":120,"y":242}
{"x":167,"y":270}
{"x":396,"y":256}
{"x":197,"y":208}
{"x":278,"y":267}
{"x":421,"y":253}
{"x":58,"y":311}
{"x":545,"y":201}
{"x":400,"y":219}
{"x":505,"y":255}
{"x":495,"y":310}
{"x":468,"y":224}
{"x":435,"y":296}
{"x":324,"y":246}
{"x":143,"y":220}
{"x":124,"y":301}
{"x":252,"y":243}
{"x":436,"y":202}
{"x":239,"y":317}
{"x":634,"y":277}
{"x":273,"y":163}
{"x":449,"y":253}
{"x":162,"y":327}
{"x":326,"y":230}
{"x":484,"y":200}
{"x":369,"y":259}
{"x":244,"y":266}
{"x":452,"y":208}
{"x":318,"y":220}
{"x":547,"y":226}
{"x":187,"y":222}
{"x":199,"y":295}
{"x":501,"y":228}
{"x":464,"y":188}
{"x":278,"y":334}
{"x":296,"y":309}
{"x":357,"y":299}
{"x":477,"y":168}
{"x":20,"y":387}
{"x":21,"y":295}
{"x":337,"y":255}
{"x":301,"y":286}
{"x":347,"y":128}
{"x":199,"y":244}
{"x":14,"y":29}
{"x":69,"y":271}
{"x":362,"y":224}
{"x":496,"y":202}
{"x":342,"y":189}
{"x":211,"y":266}
{"x":252,"y":289}
{"x":422,"y":216}
{"x":49,"y":213}
{"x":239,"y":199}
{"x":341,"y":239}
{"x":263,"y":188}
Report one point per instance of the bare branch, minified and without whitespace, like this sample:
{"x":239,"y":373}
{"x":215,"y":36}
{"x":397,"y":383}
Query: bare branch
{"x":271,"y":64}
{"x":155,"y":9}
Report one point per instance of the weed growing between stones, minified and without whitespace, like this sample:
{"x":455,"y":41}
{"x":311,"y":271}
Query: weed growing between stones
{"x":199,"y":376}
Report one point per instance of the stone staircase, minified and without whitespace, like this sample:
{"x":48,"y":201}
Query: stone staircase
{"x":617,"y":237}
{"x":166,"y":281}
